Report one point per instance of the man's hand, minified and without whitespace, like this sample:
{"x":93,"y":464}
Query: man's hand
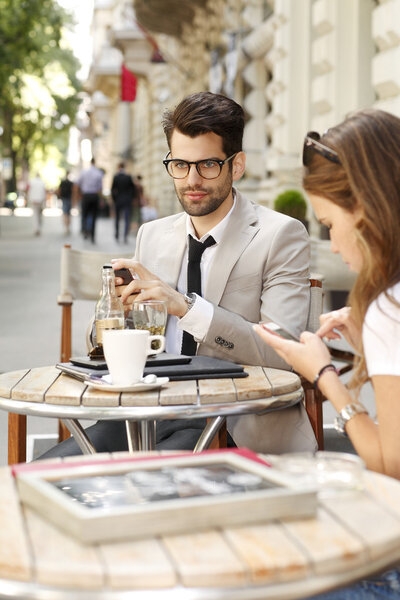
{"x":147,"y":286}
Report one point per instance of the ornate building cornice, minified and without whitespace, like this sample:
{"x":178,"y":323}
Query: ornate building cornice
{"x":152,"y":14}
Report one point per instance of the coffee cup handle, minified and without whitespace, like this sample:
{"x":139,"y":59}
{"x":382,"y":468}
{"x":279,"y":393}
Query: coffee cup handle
{"x":161,"y":339}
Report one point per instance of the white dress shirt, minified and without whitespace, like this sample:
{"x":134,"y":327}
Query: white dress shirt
{"x":198,"y":319}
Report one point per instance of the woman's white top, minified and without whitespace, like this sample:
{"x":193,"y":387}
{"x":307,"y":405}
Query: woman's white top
{"x":381,"y":335}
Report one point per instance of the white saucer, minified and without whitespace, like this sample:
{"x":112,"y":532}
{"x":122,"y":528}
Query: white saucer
{"x":104,"y":383}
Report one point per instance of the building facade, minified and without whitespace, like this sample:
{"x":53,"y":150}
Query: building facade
{"x":294,"y":65}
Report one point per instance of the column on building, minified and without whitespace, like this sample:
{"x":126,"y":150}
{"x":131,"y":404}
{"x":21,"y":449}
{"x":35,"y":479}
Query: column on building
{"x":341,"y":55}
{"x":385,"y":71}
{"x":255,"y":75}
{"x":288,"y":92}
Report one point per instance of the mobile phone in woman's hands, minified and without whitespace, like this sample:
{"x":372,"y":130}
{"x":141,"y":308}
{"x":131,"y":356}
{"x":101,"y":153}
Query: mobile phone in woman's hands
{"x":276,"y":329}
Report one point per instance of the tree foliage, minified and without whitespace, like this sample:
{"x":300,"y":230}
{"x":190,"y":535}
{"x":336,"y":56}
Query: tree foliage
{"x":38,"y":83}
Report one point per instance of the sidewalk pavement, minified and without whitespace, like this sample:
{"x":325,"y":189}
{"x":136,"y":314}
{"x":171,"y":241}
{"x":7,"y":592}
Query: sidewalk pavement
{"x":30,"y":319}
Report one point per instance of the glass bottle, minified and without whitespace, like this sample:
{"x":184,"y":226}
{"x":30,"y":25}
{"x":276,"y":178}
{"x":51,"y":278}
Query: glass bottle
{"x":109,"y":312}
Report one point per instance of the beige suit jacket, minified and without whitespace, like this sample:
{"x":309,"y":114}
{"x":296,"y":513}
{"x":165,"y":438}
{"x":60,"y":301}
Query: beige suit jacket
{"x":259,"y":272}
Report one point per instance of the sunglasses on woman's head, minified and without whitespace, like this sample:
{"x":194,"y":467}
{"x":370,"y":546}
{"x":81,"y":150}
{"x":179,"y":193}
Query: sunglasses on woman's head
{"x":312,"y":144}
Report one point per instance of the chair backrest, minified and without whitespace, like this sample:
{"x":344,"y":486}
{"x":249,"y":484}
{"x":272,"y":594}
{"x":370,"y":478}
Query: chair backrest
{"x":80,"y":275}
{"x":334,"y":273}
{"x":316,"y":302}
{"x":80,"y":272}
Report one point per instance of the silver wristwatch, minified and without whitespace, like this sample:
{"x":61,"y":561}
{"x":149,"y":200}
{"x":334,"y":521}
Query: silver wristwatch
{"x":190,"y":299}
{"x":347,"y":413}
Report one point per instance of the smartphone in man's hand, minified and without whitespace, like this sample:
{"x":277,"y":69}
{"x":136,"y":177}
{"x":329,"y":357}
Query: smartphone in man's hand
{"x":276,"y":329}
{"x":124,"y":274}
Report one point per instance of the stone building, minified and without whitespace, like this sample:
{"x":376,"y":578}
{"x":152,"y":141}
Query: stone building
{"x":294,"y":65}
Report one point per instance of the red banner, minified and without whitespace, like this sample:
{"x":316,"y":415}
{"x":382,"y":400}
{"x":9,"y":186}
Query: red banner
{"x":128,"y":85}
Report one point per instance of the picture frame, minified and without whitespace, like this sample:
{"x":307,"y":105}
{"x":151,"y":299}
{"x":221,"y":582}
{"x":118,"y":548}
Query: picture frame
{"x":102,"y":501}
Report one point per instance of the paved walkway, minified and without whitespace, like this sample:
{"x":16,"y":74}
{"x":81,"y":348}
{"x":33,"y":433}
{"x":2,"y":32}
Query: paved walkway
{"x":30,"y":318}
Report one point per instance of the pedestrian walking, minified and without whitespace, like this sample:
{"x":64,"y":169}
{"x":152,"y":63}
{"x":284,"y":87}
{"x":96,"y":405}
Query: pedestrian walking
{"x":90,"y":185}
{"x":37,"y":198}
{"x":123,"y":192}
{"x":64,"y":192}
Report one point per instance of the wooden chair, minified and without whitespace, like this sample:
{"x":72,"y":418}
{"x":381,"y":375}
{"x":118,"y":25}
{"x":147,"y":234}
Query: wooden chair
{"x":80,"y":279}
{"x":313,"y":399}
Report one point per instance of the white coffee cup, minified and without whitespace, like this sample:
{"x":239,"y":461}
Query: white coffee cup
{"x":126,"y":351}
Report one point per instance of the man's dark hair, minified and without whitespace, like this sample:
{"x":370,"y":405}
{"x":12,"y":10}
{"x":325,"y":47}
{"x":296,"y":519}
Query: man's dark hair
{"x":205,"y":112}
{"x":121,"y":165}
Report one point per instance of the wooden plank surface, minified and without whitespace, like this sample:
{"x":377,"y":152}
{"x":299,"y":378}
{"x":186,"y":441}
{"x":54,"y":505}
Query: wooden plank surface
{"x":253,"y":387}
{"x":35,"y":383}
{"x":268,"y":553}
{"x":95,"y":397}
{"x":179,"y":392}
{"x":217,"y":391}
{"x":60,"y":559}
{"x":15,"y":562}
{"x":66,"y":391}
{"x":282,"y":382}
{"x":376,"y":527}
{"x":329,"y":544}
{"x":141,"y":564}
{"x":205,"y":559}
{"x":385,"y":491}
{"x":150,"y":398}
{"x":9,"y":380}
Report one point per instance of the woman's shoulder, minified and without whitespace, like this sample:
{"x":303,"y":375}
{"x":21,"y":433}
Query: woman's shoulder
{"x":387,"y":304}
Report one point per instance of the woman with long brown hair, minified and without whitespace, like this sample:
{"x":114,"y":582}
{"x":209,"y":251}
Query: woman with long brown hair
{"x":352,"y":178}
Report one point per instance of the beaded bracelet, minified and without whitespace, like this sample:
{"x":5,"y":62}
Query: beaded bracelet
{"x":324,"y":369}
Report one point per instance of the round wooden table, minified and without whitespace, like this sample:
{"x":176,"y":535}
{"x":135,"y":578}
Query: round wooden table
{"x":47,"y":392}
{"x":353,"y":535}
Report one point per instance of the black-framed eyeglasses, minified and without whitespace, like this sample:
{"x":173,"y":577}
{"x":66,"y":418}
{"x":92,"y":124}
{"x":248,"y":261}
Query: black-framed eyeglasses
{"x":312,"y":144}
{"x":208,"y":168}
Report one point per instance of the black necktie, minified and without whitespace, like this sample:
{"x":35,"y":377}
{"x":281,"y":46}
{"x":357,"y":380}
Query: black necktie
{"x":196,"y":250}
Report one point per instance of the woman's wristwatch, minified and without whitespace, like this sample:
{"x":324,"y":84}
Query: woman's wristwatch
{"x":347,"y":413}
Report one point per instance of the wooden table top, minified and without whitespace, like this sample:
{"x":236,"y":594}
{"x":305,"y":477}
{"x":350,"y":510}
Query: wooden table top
{"x":47,"y":386}
{"x":352,"y":535}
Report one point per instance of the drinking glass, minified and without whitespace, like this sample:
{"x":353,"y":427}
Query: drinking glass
{"x":152,"y":316}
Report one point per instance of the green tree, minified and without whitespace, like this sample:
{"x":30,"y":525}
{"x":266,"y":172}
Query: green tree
{"x":38,"y":83}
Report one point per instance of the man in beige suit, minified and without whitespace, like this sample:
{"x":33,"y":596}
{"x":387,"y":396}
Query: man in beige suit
{"x":256,"y":269}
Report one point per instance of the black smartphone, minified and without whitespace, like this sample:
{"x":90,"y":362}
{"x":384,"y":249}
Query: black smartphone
{"x":85,"y":361}
{"x":278,"y":330}
{"x":125,"y":274}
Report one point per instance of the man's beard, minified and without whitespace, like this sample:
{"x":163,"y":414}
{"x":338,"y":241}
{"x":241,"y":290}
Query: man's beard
{"x":216,"y":197}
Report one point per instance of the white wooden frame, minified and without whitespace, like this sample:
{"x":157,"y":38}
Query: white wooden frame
{"x":172,"y":516}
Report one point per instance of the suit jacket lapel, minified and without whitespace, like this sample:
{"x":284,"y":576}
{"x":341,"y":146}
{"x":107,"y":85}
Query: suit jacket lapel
{"x":171,"y":249}
{"x":241,"y":228}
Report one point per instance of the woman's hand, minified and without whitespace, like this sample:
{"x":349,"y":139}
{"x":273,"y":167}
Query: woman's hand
{"x":339,"y":323}
{"x":306,"y":357}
